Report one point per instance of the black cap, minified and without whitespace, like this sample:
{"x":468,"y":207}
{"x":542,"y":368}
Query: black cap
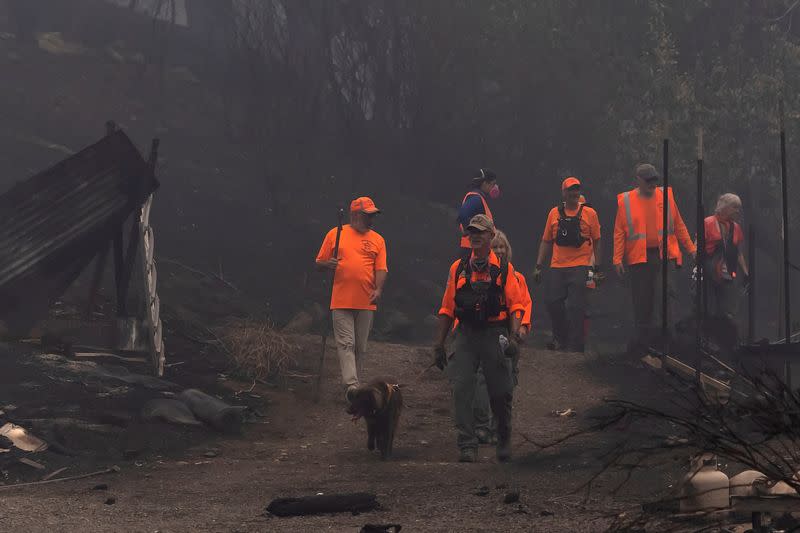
{"x":646,"y":171}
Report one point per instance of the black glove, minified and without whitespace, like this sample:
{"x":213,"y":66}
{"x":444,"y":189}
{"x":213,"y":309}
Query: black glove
{"x":440,"y":357}
{"x":513,"y":346}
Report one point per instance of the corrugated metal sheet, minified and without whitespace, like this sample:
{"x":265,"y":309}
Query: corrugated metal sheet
{"x":54,"y":223}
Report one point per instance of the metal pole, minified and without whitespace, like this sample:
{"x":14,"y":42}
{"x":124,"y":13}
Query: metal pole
{"x":787,"y":310}
{"x":664,"y":249}
{"x":751,"y":294}
{"x":701,"y":248}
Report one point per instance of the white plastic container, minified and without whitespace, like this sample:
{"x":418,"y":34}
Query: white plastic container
{"x":705,"y":488}
{"x":742,"y":483}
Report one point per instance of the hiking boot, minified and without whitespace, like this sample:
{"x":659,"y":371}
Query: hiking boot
{"x":468,"y":455}
{"x":554,"y":345}
{"x":484,"y":435}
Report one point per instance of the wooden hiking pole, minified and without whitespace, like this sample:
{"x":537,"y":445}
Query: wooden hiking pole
{"x":320,"y":369}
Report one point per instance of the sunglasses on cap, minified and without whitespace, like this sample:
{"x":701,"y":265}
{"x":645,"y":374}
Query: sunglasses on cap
{"x":473,"y":230}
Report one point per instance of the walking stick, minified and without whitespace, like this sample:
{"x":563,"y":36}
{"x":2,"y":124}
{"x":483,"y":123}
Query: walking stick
{"x":320,"y":369}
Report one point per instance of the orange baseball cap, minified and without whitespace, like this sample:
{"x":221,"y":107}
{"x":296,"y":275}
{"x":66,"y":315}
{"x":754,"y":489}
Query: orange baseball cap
{"x":364,"y":204}
{"x":570,"y":182}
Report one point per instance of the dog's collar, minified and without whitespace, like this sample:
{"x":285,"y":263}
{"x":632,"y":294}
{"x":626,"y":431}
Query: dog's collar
{"x":390,"y":389}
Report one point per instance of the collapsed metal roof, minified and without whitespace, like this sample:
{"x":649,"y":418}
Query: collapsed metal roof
{"x":54,"y":223}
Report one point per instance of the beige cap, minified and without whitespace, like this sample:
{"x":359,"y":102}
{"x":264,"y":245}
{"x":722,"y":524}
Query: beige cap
{"x":481,"y":223}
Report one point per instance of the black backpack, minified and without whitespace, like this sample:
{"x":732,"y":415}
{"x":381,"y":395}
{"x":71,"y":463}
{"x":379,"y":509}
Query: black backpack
{"x":569,"y":228}
{"x":475,"y":304}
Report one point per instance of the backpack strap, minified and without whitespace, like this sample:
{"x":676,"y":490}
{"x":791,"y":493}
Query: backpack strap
{"x":500,"y":272}
{"x":463,"y":266}
{"x":561,"y":211}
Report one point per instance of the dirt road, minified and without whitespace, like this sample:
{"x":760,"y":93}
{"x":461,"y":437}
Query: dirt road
{"x":302,"y":449}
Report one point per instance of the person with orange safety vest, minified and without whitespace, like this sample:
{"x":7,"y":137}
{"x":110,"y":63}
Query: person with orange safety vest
{"x":638,"y":232}
{"x":484,"y":294}
{"x":724,"y":258}
{"x":484,"y":185}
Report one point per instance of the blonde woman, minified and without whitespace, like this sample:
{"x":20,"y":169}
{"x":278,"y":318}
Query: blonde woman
{"x":725,"y":262}
{"x":481,"y":409}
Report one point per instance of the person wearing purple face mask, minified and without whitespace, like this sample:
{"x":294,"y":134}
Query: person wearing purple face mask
{"x":484,"y":186}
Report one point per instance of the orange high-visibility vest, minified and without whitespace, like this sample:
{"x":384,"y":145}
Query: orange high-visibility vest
{"x":636,"y":226}
{"x":488,"y":212}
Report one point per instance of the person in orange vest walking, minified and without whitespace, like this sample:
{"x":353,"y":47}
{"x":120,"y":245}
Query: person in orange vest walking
{"x":725,"y":261}
{"x":572,"y":234}
{"x":484,"y":185}
{"x":638,"y":232}
{"x":357,"y":285}
{"x":484,"y":294}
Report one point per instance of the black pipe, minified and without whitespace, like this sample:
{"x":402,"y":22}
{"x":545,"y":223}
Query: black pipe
{"x":701,"y":248}
{"x":665,"y":248}
{"x":751,"y":294}
{"x":787,"y":310}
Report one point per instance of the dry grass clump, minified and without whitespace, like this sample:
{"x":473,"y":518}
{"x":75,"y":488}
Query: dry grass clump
{"x":257,"y":349}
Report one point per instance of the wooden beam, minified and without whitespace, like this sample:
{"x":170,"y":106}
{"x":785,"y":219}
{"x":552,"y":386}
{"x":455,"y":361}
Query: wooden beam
{"x":777,"y":504}
{"x":687,"y":371}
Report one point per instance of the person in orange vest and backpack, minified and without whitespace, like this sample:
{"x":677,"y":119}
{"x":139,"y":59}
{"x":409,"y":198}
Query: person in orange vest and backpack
{"x":484,"y":185}
{"x":638,"y":232}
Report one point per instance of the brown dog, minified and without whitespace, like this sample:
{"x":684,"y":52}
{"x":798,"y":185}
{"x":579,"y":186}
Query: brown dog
{"x":380,"y":403}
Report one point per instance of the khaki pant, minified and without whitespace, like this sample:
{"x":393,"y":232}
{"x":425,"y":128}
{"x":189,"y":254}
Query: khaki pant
{"x":351,"y":331}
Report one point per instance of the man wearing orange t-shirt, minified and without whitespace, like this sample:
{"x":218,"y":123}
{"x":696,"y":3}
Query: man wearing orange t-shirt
{"x":357,"y":285}
{"x":572,"y":234}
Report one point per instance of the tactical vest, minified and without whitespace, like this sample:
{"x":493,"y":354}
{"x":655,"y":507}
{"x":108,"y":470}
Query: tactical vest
{"x":478,"y":302}
{"x":569,"y":228}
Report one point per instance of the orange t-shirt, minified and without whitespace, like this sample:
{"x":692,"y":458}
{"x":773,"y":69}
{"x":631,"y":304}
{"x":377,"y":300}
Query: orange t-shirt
{"x":514,"y":299}
{"x":652,"y":212}
{"x":569,"y":256}
{"x":360,"y":255}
